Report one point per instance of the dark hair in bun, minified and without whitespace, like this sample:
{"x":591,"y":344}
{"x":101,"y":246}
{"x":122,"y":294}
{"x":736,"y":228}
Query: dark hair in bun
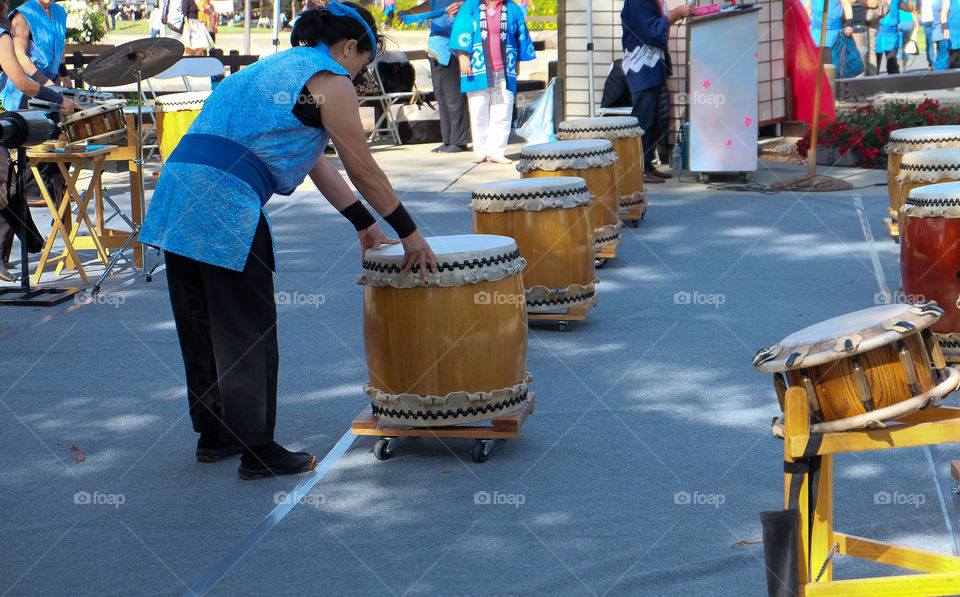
{"x":322,"y":26}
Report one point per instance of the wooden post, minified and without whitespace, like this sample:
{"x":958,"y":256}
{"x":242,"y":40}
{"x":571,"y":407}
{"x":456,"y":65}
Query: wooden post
{"x":815,"y":125}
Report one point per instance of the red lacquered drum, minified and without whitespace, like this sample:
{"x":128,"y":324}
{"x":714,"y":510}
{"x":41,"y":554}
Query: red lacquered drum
{"x":930,"y":256}
{"x":624,"y":133}
{"x":451,"y":349}
{"x":593,"y":160}
{"x":863,"y":368}
{"x":548,"y":217}
{"x":903,"y":141}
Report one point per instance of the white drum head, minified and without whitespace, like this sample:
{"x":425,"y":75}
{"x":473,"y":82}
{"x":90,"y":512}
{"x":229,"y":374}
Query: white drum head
{"x":463,"y":259}
{"x":531,"y":194}
{"x":846,"y":335}
{"x":181,"y":102}
{"x":614,"y":127}
{"x":568,"y":149}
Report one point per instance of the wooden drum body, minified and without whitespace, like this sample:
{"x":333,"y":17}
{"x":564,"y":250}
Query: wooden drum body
{"x":903,"y":141}
{"x":595,"y":162}
{"x":100,"y":125}
{"x":452,"y":349}
{"x":862,"y":369}
{"x":930,"y":256}
{"x":625,"y":134}
{"x":549,"y":219}
{"x":926,"y":167}
{"x":175,"y":113}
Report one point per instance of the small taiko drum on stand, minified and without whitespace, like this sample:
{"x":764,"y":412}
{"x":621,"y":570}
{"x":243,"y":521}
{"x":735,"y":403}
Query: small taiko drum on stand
{"x":926,"y":167}
{"x":100,"y":125}
{"x":593,"y":160}
{"x":549,"y":219}
{"x":175,"y":113}
{"x":903,"y":141}
{"x":451,"y":349}
{"x":625,"y":134}
{"x":930,"y":257}
{"x":862,"y":369}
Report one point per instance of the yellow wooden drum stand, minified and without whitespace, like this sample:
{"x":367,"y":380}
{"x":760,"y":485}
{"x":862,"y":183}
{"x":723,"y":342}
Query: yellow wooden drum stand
{"x":548,"y":217}
{"x":451,"y":349}
{"x":808,"y":455}
{"x":625,"y":134}
{"x":593,"y":160}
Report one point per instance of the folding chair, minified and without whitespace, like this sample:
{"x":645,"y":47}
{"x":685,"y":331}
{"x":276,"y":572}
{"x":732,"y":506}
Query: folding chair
{"x":190,"y":67}
{"x":385,"y":124}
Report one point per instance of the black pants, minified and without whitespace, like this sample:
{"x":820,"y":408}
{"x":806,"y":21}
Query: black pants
{"x":893,"y":65}
{"x":451,"y":103}
{"x":954,"y":58}
{"x":645,"y":108}
{"x":227,"y":324}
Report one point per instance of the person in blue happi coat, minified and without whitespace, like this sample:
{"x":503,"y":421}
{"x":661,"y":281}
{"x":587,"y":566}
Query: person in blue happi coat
{"x":207,"y":214}
{"x":646,"y":27}
{"x":889,"y":36}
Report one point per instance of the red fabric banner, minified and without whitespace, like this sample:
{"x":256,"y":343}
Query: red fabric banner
{"x":801,"y":66}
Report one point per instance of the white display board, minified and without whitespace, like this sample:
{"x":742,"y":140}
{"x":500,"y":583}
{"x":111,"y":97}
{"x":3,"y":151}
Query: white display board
{"x":722,"y":91}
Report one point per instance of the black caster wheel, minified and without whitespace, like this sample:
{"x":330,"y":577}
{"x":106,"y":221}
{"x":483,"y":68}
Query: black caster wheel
{"x":599,"y":263}
{"x":703,"y":178}
{"x":562,"y":325}
{"x":635,"y":223}
{"x":481,"y":449}
{"x":149,"y":278}
{"x":383,"y":449}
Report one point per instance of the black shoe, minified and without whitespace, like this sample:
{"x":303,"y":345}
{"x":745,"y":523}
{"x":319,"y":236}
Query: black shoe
{"x":454,"y":148}
{"x":215,"y":451}
{"x":439,"y":149}
{"x":273,"y":460}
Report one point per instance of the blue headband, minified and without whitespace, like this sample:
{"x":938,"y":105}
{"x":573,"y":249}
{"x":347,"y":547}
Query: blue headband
{"x":345,"y":11}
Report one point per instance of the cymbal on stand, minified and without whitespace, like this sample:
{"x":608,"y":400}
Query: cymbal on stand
{"x":118,"y":66}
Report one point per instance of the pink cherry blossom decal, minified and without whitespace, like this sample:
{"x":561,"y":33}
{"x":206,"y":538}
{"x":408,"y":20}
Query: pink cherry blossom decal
{"x":729,"y":142}
{"x":756,"y":54}
{"x":706,"y":84}
{"x":748,"y":122}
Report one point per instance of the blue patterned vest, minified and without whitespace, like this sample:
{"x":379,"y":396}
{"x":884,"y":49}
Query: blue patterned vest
{"x":48,"y":34}
{"x":245,"y":145}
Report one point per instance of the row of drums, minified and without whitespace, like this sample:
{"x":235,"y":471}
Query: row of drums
{"x":452,"y":349}
{"x":923,"y":167}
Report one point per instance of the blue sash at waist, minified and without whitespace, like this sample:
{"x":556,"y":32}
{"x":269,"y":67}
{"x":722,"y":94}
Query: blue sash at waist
{"x":227,"y":156}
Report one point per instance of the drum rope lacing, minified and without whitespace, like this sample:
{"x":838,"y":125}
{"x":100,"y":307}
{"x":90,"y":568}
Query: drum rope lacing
{"x":931,"y":167}
{"x":933,"y":201}
{"x":533,"y":194}
{"x":475,"y":263}
{"x":559,"y":156}
{"x":574,"y":298}
{"x":470,"y":411}
{"x":606,"y":239}
{"x":597,"y":129}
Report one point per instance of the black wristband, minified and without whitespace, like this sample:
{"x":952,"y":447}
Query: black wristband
{"x":49,"y":95}
{"x":63,"y":70}
{"x":358,"y":215}
{"x":401,"y":222}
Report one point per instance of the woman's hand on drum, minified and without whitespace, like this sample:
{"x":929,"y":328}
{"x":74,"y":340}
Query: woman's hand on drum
{"x":418,"y":252}
{"x":372,"y":238}
{"x":67,"y":106}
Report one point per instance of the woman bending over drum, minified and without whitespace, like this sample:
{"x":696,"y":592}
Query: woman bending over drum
{"x":261,"y":132}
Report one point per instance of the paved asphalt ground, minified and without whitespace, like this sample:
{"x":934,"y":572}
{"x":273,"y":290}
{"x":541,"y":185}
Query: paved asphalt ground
{"x":642,"y":471}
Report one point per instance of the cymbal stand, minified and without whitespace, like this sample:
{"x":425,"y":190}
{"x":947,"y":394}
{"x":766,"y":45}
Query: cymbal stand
{"x":135,"y":228}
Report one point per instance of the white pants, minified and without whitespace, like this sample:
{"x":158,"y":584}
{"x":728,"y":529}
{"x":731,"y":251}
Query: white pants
{"x":491,"y":112}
